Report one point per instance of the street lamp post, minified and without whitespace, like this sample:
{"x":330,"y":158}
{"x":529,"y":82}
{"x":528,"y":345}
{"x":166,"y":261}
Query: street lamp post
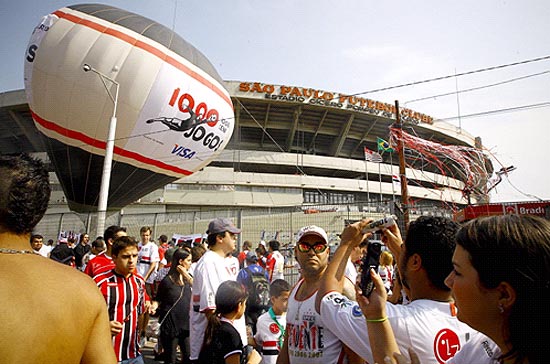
{"x":109,"y":149}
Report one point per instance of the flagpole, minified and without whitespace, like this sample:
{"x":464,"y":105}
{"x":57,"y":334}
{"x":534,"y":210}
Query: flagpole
{"x":402,"y":169}
{"x":380,"y":181}
{"x":367,"y":182}
{"x":383,"y":146}
{"x":392,"y":186}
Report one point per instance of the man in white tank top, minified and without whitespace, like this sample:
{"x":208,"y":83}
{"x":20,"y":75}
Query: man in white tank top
{"x":306,"y":339}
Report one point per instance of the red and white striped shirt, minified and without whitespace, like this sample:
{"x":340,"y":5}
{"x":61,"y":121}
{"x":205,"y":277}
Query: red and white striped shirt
{"x":125,"y":299}
{"x":100,"y":263}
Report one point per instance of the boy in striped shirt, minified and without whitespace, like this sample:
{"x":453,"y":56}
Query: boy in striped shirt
{"x":124,"y":292}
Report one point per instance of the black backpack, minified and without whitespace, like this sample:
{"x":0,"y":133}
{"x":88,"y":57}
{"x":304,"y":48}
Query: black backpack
{"x":258,"y":290}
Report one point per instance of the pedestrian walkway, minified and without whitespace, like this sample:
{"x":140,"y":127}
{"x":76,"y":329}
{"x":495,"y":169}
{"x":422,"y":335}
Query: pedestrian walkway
{"x":148,"y":351}
{"x":149,"y":354}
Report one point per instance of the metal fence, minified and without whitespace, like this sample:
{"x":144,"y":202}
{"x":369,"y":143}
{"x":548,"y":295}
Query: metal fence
{"x":257,"y":224}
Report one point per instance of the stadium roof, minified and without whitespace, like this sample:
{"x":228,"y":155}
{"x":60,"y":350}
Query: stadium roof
{"x":262,"y":123}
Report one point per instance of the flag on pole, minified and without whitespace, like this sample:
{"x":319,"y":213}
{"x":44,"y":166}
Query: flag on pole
{"x":371,"y":156}
{"x":384,"y":146}
{"x":396,"y":183}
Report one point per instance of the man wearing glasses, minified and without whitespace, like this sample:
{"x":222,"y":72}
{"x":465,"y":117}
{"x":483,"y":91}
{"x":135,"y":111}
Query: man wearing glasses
{"x":306,"y":340}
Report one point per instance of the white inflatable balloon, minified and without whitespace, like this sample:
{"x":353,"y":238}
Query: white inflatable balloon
{"x":174,"y":114}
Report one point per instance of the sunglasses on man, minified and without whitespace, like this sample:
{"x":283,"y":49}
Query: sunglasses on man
{"x":318,"y":247}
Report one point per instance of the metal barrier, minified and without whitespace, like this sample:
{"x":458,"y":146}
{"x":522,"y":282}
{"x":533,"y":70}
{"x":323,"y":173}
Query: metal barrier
{"x":257,"y":224}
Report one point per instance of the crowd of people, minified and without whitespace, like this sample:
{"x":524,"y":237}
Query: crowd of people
{"x":447,"y":293}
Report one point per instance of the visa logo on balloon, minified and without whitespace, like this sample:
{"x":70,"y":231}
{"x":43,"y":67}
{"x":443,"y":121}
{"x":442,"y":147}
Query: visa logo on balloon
{"x":183,"y":152}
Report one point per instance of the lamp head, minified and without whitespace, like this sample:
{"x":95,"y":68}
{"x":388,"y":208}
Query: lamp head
{"x":86,"y":67}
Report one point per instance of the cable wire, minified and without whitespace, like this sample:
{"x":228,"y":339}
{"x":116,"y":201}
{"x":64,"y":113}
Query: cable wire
{"x":454,"y":75}
{"x":477,"y":88}
{"x":498,"y":111}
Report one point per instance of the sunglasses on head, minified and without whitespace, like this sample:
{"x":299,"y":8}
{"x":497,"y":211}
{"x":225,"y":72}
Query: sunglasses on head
{"x":318,"y":247}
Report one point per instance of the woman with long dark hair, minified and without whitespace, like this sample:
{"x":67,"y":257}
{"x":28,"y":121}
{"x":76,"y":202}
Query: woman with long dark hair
{"x":174,"y":297}
{"x":501,"y":284}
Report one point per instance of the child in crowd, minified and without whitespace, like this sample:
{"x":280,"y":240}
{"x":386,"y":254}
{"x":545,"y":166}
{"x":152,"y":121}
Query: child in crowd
{"x":385,"y":270}
{"x":270,"y":328}
{"x":222,"y":342}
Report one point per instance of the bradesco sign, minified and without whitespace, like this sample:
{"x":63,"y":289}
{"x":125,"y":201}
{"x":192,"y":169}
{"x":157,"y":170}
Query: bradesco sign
{"x":325,"y":98}
{"x":529,"y":208}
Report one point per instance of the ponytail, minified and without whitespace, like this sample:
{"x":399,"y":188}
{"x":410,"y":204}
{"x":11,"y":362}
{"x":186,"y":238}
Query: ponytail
{"x":214,"y":323}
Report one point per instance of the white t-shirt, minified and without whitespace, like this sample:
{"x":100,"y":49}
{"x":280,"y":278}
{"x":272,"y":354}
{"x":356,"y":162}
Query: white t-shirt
{"x":430,"y":327}
{"x":86,"y":258}
{"x":351,"y":272}
{"x":45,"y":250}
{"x":479,"y":350}
{"x":211,"y":270}
{"x":267,"y":336}
{"x":191,"y":269}
{"x":309,"y":341}
{"x":279,"y":268}
{"x":233,"y":266}
{"x":386,"y":274}
{"x":148,"y":254}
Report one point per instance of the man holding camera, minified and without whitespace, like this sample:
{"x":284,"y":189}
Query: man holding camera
{"x":429,"y":322}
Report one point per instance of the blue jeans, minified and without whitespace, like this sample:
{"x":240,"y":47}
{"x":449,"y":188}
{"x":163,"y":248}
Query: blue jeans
{"x":136,"y":360}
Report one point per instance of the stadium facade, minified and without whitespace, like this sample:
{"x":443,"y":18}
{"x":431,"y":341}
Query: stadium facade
{"x":292,"y":146}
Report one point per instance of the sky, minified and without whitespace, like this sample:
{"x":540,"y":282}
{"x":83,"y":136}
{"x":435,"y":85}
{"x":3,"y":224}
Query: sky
{"x":359,"y":46}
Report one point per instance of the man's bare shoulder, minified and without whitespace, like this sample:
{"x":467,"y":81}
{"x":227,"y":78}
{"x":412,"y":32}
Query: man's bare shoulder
{"x":43,"y":299}
{"x":46,"y":276}
{"x":48,"y":285}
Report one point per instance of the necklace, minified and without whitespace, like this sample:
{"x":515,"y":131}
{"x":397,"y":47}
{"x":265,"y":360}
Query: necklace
{"x":15,"y":251}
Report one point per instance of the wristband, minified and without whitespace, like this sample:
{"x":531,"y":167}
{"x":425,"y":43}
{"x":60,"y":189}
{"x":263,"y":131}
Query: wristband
{"x":382,"y":319}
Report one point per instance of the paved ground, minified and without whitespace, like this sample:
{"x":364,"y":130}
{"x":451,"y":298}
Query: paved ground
{"x":148,"y":354}
{"x":147,"y":350}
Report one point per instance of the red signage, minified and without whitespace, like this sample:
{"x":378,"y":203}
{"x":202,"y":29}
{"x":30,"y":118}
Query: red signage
{"x":538,"y":208}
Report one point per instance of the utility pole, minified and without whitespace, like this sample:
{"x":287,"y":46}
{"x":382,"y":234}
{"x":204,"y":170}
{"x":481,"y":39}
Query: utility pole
{"x":402,"y":169}
{"x":109,"y":151}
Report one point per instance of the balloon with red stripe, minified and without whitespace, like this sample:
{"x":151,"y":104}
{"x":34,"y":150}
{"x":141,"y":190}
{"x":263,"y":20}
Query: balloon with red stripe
{"x":174,"y":115}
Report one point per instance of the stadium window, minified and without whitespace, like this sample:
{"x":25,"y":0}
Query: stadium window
{"x":244,"y":188}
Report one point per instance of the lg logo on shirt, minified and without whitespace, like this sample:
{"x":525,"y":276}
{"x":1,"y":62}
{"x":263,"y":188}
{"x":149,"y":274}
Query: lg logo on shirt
{"x":446,"y":345}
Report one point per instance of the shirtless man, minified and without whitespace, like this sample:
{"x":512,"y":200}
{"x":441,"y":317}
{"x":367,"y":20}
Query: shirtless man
{"x":24,"y":195}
